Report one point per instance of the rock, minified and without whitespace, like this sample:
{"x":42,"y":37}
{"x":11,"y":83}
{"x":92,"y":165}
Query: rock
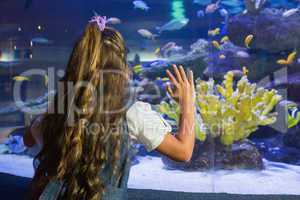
{"x":233,"y":60}
{"x":194,"y":62}
{"x":200,"y":48}
{"x":280,"y":147}
{"x":260,"y":65}
{"x":292,"y":138}
{"x":272,"y":32}
{"x":195,"y":59}
{"x":290,"y":82}
{"x":210,"y":155}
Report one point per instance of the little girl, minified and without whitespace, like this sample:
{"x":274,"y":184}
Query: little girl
{"x":90,"y":158}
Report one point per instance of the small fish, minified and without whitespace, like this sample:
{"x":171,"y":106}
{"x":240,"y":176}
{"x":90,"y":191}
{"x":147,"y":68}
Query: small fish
{"x":248,"y":40}
{"x":290,"y":12}
{"x":242,"y":54}
{"x":290,"y":59}
{"x":46,"y":80}
{"x":113,"y":20}
{"x":224,"y":13}
{"x":211,"y":8}
{"x":157,"y":51}
{"x":245,"y":71}
{"x":165,"y":79}
{"x":200,"y":13}
{"x":216,"y":44}
{"x":137,"y":69}
{"x":175,"y":24}
{"x":202,"y":2}
{"x":147,"y":34}
{"x":282,"y":62}
{"x":222,"y":56}
{"x":173,"y":49}
{"x":214,"y":32}
{"x":41,"y":40}
{"x":140,"y":5}
{"x":21,"y":78}
{"x":225,"y":39}
{"x":159,"y":63}
{"x":232,"y":3}
{"x":168,"y":46}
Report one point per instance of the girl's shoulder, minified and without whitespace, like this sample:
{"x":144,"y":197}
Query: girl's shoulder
{"x":146,"y":125}
{"x":139,"y":106}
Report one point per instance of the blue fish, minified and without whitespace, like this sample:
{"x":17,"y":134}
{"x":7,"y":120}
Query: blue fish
{"x":200,"y":13}
{"x":159,"y":63}
{"x":175,"y":24}
{"x":140,"y":5}
{"x":202,"y":2}
{"x":232,"y":3}
{"x":41,"y":40}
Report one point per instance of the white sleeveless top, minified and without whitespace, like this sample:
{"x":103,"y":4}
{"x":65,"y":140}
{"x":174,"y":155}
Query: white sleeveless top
{"x":146,"y":126}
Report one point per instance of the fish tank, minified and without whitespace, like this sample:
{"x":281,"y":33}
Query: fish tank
{"x":245,"y":55}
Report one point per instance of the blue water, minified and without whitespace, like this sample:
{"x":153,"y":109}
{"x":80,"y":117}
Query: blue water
{"x":40,"y":35}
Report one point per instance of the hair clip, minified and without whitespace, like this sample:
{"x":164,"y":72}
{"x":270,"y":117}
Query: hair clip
{"x":101,"y":21}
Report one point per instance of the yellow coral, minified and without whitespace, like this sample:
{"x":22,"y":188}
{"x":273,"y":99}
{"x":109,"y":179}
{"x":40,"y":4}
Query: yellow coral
{"x":228,"y":113}
{"x":233,"y":114}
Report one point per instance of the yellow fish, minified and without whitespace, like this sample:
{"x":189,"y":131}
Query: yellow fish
{"x":157,"y":51}
{"x":245,"y":71}
{"x":216,"y":44}
{"x":138,"y":69}
{"x":282,"y":62}
{"x":165,"y":79}
{"x":248,"y":40}
{"x":224,"y":39}
{"x":46,"y":79}
{"x":21,"y":78}
{"x":290,"y":59}
{"x":222,"y":56}
{"x":214,"y":32}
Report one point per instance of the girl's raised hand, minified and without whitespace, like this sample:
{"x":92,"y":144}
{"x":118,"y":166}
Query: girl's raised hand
{"x":182,"y":89}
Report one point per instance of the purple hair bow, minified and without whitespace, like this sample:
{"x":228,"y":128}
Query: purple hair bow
{"x":101,"y":21}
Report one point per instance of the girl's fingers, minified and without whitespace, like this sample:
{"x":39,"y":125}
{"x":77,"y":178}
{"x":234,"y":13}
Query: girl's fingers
{"x":191,"y":77}
{"x":177,"y":73}
{"x":170,"y":91}
{"x":172,"y":78}
{"x":182,"y":73}
{"x":191,"y":80}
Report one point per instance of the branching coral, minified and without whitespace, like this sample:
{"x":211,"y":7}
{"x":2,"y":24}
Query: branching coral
{"x":233,"y":114}
{"x":227,"y":112}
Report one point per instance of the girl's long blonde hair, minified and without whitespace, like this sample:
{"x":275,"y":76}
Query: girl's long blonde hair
{"x":74,"y":153}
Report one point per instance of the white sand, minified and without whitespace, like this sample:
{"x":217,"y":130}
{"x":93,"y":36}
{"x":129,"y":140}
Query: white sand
{"x":277,"y":178}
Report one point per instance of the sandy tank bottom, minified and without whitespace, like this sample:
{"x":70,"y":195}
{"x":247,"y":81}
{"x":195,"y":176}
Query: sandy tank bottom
{"x":150,"y":173}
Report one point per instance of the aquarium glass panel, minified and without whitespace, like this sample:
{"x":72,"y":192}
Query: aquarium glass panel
{"x":245,"y":56}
